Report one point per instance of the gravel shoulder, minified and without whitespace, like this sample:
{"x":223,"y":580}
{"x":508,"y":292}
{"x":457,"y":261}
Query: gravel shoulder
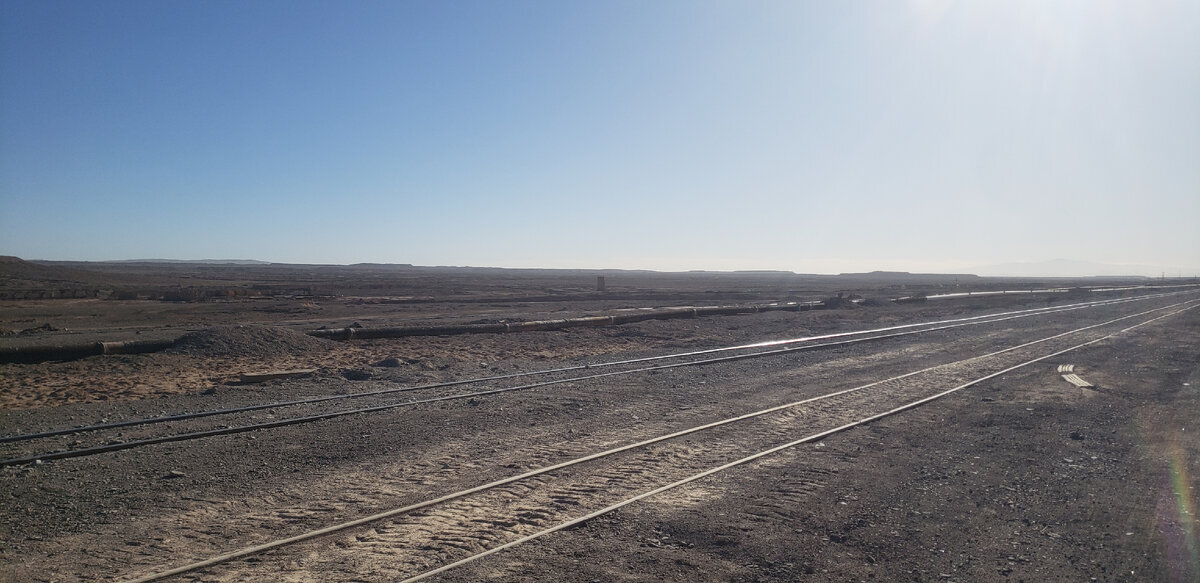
{"x":200,"y":367}
{"x":1024,"y":477}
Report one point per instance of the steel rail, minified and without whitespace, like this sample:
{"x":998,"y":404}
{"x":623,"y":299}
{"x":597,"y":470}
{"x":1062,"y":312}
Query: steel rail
{"x":111,"y":447}
{"x":446,"y":384}
{"x":767,"y":452}
{"x":256,"y":549}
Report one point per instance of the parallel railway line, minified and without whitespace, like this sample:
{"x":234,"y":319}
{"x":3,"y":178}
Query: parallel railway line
{"x":326,"y":398}
{"x":767,"y":452}
{"x":17,"y":454}
{"x":428,"y":537}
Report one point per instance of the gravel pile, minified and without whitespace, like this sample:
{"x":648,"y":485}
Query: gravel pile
{"x":248,"y":340}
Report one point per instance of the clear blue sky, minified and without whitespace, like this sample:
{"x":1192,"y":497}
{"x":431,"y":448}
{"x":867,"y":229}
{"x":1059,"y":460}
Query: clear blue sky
{"x":806,"y":136}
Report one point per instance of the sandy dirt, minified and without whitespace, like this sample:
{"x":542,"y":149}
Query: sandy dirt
{"x":1023,"y":477}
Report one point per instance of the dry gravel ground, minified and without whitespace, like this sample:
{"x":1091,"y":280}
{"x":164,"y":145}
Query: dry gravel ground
{"x":1020,"y":478}
{"x":215,"y":356}
{"x":1024,"y":478}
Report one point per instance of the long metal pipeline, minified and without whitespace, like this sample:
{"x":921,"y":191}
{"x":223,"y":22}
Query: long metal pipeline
{"x":35,"y":354}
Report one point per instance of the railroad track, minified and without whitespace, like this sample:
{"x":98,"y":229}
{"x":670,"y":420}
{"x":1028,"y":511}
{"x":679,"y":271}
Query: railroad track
{"x":115,"y":436}
{"x":426,"y":537}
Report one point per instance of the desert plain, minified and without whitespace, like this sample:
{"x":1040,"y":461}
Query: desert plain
{"x":816,"y":430}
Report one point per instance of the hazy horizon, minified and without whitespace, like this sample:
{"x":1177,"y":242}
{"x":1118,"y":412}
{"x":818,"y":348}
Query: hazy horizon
{"x":923,"y":136}
{"x":1055,"y":268}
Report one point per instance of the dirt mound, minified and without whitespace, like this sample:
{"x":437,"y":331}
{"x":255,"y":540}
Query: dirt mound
{"x":248,"y":340}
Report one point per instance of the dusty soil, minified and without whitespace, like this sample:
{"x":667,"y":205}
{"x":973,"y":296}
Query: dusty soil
{"x":1025,"y":478}
{"x":312,"y":297}
{"x":225,"y":358}
{"x":1021,"y":478}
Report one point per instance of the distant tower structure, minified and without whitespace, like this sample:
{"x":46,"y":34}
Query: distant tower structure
{"x":599,"y":283}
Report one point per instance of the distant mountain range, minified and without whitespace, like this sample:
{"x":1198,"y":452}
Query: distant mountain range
{"x":212,"y":261}
{"x":905,"y":277}
{"x":1051,"y":268}
{"x":1070,"y":268}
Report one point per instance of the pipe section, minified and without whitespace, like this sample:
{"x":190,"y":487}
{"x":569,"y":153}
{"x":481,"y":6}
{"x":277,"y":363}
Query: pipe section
{"x":35,"y":354}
